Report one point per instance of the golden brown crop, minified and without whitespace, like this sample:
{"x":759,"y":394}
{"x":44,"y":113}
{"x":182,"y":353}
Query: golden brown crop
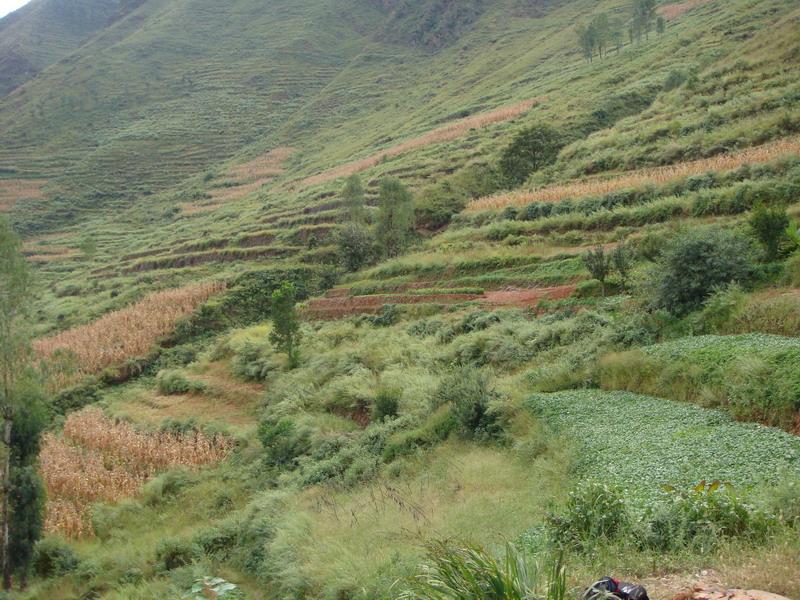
{"x":445,"y":133}
{"x":124,"y":334}
{"x":656,"y":175}
{"x":14,"y":190}
{"x":101,"y":460}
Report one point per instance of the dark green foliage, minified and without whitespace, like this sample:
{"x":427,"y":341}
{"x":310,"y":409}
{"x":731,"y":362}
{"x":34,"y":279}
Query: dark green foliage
{"x":283,"y":441}
{"x":53,"y":557}
{"x":27,"y":499}
{"x":356,"y":246}
{"x":395,"y":216}
{"x":700,"y":518}
{"x":172,"y":381}
{"x":594,"y":510}
{"x":769,"y":228}
{"x":469,"y":393}
{"x":467,"y":572}
{"x":285,"y":334}
{"x":387,"y":403}
{"x":436,"y":428}
{"x":622,"y":261}
{"x":437,"y":204}
{"x":250,"y":364}
{"x":389,"y":315}
{"x":530,"y":150}
{"x":696,"y":262}
{"x":352,"y":197}
{"x":675,"y":79}
{"x":173,"y":553}
{"x":598,"y":264}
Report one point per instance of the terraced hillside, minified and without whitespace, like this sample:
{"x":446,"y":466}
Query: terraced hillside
{"x":257,"y":368}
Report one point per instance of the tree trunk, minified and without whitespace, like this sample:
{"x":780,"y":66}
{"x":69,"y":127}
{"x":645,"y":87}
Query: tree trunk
{"x":6,"y":561}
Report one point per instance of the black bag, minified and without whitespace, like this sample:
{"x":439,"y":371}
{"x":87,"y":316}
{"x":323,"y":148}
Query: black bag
{"x":610,"y":587}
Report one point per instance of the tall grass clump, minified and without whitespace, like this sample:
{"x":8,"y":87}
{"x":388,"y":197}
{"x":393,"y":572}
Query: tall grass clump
{"x":469,"y":572}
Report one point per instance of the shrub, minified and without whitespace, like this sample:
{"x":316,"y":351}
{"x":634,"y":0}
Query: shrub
{"x":175,"y":382}
{"x":436,"y":428}
{"x":700,"y":518}
{"x":792,"y":270}
{"x":77,"y":397}
{"x":464,"y":571}
{"x":674,"y":80}
{"x":697,"y":262}
{"x":53,"y":557}
{"x":785,"y":502}
{"x":173,"y":553}
{"x":356,"y":246}
{"x":469,"y":393}
{"x":769,"y":228}
{"x":387,"y":402}
{"x":599,"y":265}
{"x":594,"y":510}
{"x":283,"y":442}
{"x":530,"y":150}
{"x":720,"y":309}
{"x":437,"y":204}
{"x":251,"y":364}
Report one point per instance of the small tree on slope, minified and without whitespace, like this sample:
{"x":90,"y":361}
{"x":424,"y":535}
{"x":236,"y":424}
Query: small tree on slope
{"x":285,"y":335}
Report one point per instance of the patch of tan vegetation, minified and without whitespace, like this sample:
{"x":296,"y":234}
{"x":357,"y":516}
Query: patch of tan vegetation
{"x":656,"y":175}
{"x":123,"y":334}
{"x":673,"y":11}
{"x":264,"y":167}
{"x":17,"y":190}
{"x":97,"y":459}
{"x":446,"y":133}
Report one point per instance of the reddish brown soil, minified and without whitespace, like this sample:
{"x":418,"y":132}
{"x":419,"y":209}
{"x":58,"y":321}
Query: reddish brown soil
{"x":338,"y":304}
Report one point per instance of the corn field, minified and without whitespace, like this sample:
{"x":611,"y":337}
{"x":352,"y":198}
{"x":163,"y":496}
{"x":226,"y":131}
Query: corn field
{"x":123,"y":334}
{"x":656,"y":175}
{"x":14,"y":190}
{"x":101,"y":460}
{"x":446,"y":133}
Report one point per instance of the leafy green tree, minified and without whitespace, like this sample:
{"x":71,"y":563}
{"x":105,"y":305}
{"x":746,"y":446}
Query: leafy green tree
{"x":696,"y":263}
{"x":602,"y":32}
{"x":530,"y":150}
{"x":286,"y":335}
{"x":661,"y":25}
{"x":27,"y":524}
{"x":598,"y":263}
{"x":352,"y":197}
{"x":395,"y":216}
{"x":15,"y":288}
{"x":586,"y":40}
{"x":769,"y":227}
{"x":644,"y":14}
{"x":622,"y":261}
{"x":356,"y":246}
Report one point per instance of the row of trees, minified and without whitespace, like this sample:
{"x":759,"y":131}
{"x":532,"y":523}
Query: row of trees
{"x":23,"y":414}
{"x":602,"y":33}
{"x":360,"y":239}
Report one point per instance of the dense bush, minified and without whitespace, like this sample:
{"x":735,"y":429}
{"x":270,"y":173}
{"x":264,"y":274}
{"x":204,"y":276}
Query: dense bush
{"x":387,"y":403}
{"x":593,"y":511}
{"x":173,"y":553}
{"x":469,"y":393}
{"x":530,"y":150}
{"x":53,"y":557}
{"x":769,"y":228}
{"x":283,"y":441}
{"x":437,"y":204}
{"x":77,"y":397}
{"x":696,"y":262}
{"x":700,"y":518}
{"x":356,"y":246}
{"x":171,"y":381}
{"x":251,"y":363}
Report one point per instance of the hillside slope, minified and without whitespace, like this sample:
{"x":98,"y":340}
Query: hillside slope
{"x":45,"y":31}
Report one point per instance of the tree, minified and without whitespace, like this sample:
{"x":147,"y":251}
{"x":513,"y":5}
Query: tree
{"x":395,"y":216}
{"x":15,"y":286}
{"x":602,"y":32}
{"x":769,"y":227}
{"x":356,"y":246}
{"x":622,"y":261}
{"x":644,"y":13}
{"x":352,"y":197}
{"x":285,"y":335}
{"x":696,"y":263}
{"x":586,"y":40}
{"x":661,"y":25}
{"x":616,"y":37}
{"x":599,"y":265}
{"x":529,"y":151}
